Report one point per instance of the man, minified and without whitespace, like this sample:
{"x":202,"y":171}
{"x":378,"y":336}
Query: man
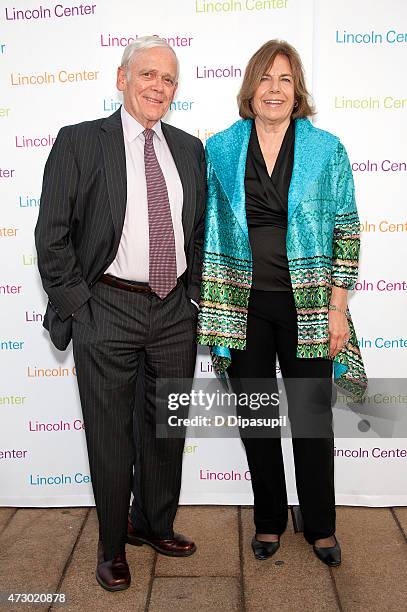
{"x":119,"y":241}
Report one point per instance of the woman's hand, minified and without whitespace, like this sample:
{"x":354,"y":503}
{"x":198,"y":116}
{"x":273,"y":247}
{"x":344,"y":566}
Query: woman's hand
{"x":338,"y":326}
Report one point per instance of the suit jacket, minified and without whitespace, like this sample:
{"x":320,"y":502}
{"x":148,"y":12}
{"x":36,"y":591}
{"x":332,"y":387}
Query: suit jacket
{"x":83,"y":204}
{"x":322,"y":246}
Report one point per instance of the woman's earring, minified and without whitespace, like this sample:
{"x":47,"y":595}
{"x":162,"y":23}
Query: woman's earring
{"x":295,"y":105}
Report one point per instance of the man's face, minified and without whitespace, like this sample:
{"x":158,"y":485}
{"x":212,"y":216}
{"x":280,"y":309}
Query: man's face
{"x":151,"y":86}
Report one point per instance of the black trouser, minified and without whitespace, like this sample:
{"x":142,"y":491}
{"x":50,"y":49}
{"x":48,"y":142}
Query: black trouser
{"x":107,"y":354}
{"x":272,"y":331}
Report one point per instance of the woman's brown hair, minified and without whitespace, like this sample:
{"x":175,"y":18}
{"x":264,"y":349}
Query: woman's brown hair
{"x":257,"y":67}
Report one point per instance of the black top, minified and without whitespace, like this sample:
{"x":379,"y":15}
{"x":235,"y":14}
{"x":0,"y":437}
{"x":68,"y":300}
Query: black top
{"x":266,"y":211}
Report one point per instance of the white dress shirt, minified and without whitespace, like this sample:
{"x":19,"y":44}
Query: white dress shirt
{"x":132,"y":258}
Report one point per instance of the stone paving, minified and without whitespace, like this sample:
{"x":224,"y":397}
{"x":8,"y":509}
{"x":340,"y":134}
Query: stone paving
{"x":54,"y":550}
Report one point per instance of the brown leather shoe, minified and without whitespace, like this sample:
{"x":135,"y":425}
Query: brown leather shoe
{"x":113,"y":575}
{"x":178,"y":546}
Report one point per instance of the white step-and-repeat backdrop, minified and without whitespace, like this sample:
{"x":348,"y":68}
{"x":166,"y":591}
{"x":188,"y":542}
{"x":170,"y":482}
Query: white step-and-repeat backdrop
{"x":57,"y":66}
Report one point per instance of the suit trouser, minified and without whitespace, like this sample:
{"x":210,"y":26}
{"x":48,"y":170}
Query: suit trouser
{"x":107,"y":353}
{"x":271,"y":331}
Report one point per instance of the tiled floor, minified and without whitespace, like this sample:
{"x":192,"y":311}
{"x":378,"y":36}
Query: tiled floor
{"x":54,"y":550}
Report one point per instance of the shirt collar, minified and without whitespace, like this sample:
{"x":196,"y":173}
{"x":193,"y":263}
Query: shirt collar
{"x":132,"y":128}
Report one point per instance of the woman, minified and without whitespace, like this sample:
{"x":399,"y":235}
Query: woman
{"x":281,"y":252}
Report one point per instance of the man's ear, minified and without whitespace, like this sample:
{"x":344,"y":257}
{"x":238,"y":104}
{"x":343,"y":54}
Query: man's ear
{"x":121,"y":80}
{"x":174,"y":92}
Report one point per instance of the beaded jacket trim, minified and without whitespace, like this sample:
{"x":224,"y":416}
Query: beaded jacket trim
{"x":227,"y":263}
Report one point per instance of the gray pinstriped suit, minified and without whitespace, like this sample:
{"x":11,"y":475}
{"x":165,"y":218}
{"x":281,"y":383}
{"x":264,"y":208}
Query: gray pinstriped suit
{"x":81,"y":216}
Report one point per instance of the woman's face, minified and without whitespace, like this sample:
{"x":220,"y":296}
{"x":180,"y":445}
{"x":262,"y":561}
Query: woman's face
{"x":273,"y":100}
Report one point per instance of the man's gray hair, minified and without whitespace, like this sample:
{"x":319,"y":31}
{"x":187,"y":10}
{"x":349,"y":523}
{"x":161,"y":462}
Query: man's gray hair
{"x":144,"y":42}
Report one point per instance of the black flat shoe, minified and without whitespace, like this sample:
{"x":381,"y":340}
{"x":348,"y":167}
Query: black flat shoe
{"x":330,"y":555}
{"x":263,"y":550}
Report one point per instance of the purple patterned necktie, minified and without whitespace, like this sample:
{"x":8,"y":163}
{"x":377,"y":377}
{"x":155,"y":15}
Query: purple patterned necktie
{"x":163,"y":263}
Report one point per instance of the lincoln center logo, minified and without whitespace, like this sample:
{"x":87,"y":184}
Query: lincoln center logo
{"x":383,"y":343}
{"x":386,"y":103}
{"x":58,"y":479}
{"x":8,"y":232}
{"x":385,"y":165}
{"x":6,"y":173}
{"x":41,"y":12}
{"x":370,"y":38}
{"x":202,"y":6}
{"x":59,"y":372}
{"x":381,"y":285}
{"x":24,"y":142}
{"x":108,"y":40}
{"x":385,"y":226}
{"x":232,"y":475}
{"x":218,"y":72}
{"x":50,"y":78}
{"x":10,"y":289}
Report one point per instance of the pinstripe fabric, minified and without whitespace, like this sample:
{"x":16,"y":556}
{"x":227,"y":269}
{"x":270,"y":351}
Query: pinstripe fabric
{"x":83,"y":204}
{"x":79,"y":226}
{"x":107,"y":352}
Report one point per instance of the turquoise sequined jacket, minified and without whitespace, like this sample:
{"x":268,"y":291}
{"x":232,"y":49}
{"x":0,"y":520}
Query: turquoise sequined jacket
{"x":322,"y":246}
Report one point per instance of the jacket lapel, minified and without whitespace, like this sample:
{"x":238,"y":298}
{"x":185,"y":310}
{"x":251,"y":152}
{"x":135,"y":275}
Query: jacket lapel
{"x":312,"y":150}
{"x":112,"y":143}
{"x":227,"y":152}
{"x":184,"y":166}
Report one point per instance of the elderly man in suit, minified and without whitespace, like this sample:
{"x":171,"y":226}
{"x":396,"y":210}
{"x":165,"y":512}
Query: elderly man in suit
{"x":119,"y":241}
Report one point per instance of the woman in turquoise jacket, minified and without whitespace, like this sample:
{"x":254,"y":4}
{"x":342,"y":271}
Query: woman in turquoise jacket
{"x":281,"y":252}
